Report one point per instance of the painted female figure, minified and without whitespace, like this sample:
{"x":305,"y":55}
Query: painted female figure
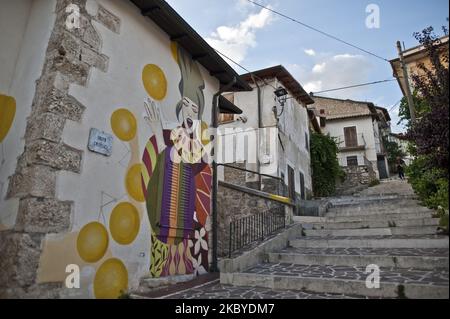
{"x":177,"y":184}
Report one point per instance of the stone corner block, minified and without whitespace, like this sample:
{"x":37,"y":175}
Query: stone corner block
{"x":109,"y":20}
{"x":38,"y":181}
{"x":58,"y":156}
{"x":19,"y":259}
{"x":47,"y":126}
{"x":60,"y":103}
{"x":38,"y":215}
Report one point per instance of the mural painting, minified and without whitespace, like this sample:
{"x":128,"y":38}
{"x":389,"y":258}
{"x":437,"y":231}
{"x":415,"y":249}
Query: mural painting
{"x":167,"y":184}
{"x":7,"y":115}
{"x":175,"y":179}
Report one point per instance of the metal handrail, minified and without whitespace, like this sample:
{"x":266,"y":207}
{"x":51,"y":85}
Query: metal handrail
{"x":250,"y":171}
{"x":254,"y":228}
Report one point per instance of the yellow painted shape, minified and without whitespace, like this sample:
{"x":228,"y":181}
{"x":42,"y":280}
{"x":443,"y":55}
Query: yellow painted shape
{"x":155,"y":82}
{"x":7,"y":113}
{"x":133,"y":182}
{"x":174,"y":50}
{"x":181,"y":265}
{"x":124,"y":223}
{"x":111,"y":279}
{"x":92,"y":242}
{"x":205,"y":138}
{"x":123,"y":124}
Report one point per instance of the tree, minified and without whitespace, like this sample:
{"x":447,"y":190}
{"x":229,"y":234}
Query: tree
{"x":393,"y":150}
{"x":324,"y":164}
{"x":430,"y":132}
{"x":420,"y":107}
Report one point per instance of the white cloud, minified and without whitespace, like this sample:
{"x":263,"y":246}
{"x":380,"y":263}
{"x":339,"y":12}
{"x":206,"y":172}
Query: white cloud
{"x":313,"y":86}
{"x":335,"y":72}
{"x":310,"y":52}
{"x":319,"y":68}
{"x":234,"y":41}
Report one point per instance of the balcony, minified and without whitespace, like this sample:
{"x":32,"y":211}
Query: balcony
{"x":358,"y":144}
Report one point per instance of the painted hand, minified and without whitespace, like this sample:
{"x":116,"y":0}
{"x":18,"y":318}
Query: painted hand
{"x":153,"y":119}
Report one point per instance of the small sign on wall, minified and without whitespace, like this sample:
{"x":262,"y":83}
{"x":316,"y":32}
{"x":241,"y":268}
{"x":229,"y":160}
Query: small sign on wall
{"x":100,"y":142}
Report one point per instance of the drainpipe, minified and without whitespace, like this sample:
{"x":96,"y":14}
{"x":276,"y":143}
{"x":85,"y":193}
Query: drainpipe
{"x":260,"y":125}
{"x":215,"y":124}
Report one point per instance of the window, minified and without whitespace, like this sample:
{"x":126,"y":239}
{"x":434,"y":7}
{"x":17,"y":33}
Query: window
{"x":225,"y":118}
{"x":302,"y":186}
{"x":352,"y":160}
{"x":351,"y":138}
{"x":291,"y":182}
{"x":306,"y":141}
{"x":322,"y":122}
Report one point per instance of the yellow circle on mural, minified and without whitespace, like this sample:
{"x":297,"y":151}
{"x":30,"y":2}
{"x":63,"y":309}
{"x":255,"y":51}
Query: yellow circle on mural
{"x":111,"y":279}
{"x":133,"y":182}
{"x":7,"y":113}
{"x":92,"y":242}
{"x":124,"y":223}
{"x":205,"y":138}
{"x":155,"y":82}
{"x":123,"y":124}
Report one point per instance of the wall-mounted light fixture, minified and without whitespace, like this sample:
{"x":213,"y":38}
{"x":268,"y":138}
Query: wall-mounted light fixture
{"x":281,"y":95}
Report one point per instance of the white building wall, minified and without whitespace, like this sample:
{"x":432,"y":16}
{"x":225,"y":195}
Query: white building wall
{"x":292,"y":126}
{"x":101,"y":184}
{"x":364,"y":126}
{"x":25,"y":28}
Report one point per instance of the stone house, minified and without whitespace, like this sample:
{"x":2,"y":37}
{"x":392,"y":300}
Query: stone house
{"x":272,"y":135}
{"x":94,"y":98}
{"x":358,"y":128}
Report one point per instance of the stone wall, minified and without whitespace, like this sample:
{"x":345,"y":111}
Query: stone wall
{"x":235,"y":176}
{"x":356,"y":178}
{"x":234,"y":204}
{"x":70,"y":56}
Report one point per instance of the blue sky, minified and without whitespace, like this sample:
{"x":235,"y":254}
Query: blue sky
{"x":257,"y":39}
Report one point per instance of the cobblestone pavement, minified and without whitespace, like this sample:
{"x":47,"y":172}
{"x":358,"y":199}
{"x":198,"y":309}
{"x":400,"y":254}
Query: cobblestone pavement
{"x":437,"y":277}
{"x":428,"y":252}
{"x":430,"y":236}
{"x":218,"y":291}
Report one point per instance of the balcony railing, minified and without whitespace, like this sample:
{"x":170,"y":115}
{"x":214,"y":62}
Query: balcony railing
{"x":347,"y":145}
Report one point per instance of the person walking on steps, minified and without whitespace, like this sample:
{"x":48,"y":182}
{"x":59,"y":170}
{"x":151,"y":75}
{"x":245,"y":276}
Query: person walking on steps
{"x":400,"y":168}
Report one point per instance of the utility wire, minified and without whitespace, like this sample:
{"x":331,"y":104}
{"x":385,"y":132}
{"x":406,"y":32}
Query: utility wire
{"x":317,"y":30}
{"x":354,"y":86}
{"x":394,"y":106}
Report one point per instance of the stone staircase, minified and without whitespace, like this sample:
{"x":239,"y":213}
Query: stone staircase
{"x":331,"y":255}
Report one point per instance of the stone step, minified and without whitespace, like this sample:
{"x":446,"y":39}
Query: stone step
{"x":394,"y":282}
{"x":362,"y":205}
{"x":374,"y":224}
{"x":377,"y":217}
{"x":393,"y":210}
{"x":398,"y":258}
{"x":149,"y":282}
{"x":404,"y":241}
{"x":385,"y":231}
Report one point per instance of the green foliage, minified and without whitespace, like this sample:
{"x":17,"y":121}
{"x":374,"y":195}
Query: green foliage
{"x":429,"y":183}
{"x":325,"y":165}
{"x":421,"y":107}
{"x":393,"y":150}
{"x":443,"y":219}
{"x":374,"y":182}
